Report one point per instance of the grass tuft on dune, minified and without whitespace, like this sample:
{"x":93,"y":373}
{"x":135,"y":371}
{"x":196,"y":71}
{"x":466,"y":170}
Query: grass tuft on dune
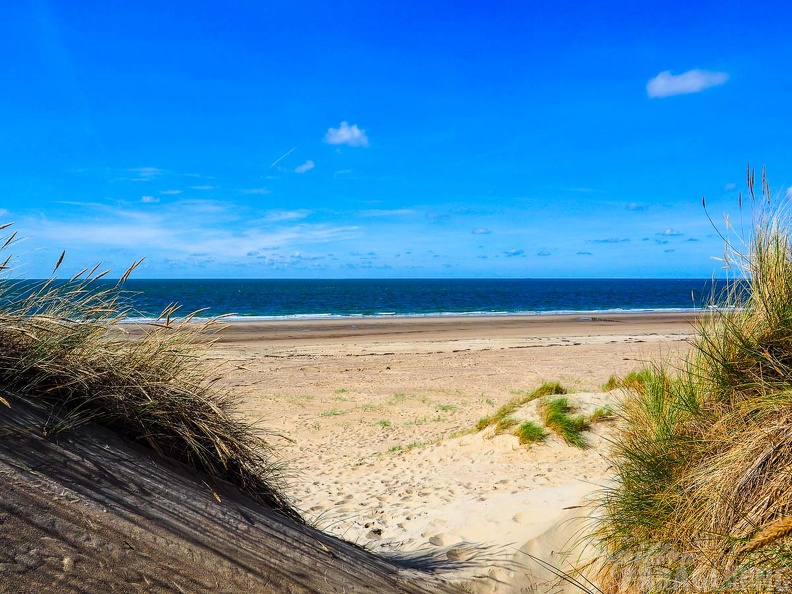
{"x":703,"y":498}
{"x":61,"y":346}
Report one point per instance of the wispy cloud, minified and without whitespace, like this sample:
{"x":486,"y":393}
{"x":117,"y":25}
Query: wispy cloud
{"x":283,"y":156}
{"x":171,"y":192}
{"x":305,"y":167}
{"x":278,"y":216}
{"x":257,"y":191}
{"x":161,"y":233}
{"x":666,"y":84}
{"x":609,"y":240}
{"x":481,"y":231}
{"x":635,"y":206}
{"x":437,"y":217}
{"x":141,"y":174}
{"x":788,"y":193}
{"x":398,"y":212}
{"x":346,"y":134}
{"x":149,"y":199}
{"x":671,"y":233}
{"x":203,"y":187}
{"x":730,"y":187}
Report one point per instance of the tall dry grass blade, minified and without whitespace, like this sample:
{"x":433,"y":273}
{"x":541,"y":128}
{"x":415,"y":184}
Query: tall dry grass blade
{"x":59,"y":262}
{"x":129,"y":271}
{"x":8,"y":240}
{"x":750,"y":175}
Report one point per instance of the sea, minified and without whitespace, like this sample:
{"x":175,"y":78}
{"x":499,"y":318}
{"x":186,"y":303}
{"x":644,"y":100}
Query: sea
{"x":288,"y":299}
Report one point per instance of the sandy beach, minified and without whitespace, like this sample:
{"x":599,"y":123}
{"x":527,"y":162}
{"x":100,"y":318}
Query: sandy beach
{"x":375,"y":420}
{"x":367,"y":414}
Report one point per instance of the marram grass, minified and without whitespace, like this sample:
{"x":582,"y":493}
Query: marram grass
{"x":61,"y":346}
{"x":556,"y":415}
{"x":703,"y":458}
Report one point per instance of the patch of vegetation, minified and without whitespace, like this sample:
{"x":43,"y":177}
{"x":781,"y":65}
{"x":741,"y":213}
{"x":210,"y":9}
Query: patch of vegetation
{"x":417,"y":421}
{"x":556,"y":417}
{"x":396,"y":398}
{"x":370,"y":407}
{"x":462,"y":432}
{"x":632,"y":381}
{"x":530,"y":432}
{"x":333,"y":412}
{"x":548,"y":388}
{"x":702,"y":498}
{"x":384,"y":423}
{"x":506,"y":424}
{"x":602,"y":413}
{"x":446,"y":407}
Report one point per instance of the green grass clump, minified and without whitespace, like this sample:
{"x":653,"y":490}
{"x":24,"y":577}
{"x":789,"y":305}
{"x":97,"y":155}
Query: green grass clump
{"x":61,"y":347}
{"x":632,"y":381}
{"x":702,"y":499}
{"x":602,"y":413}
{"x":530,"y":432}
{"x":556,"y":417}
{"x":546,"y":389}
{"x":505,"y":424}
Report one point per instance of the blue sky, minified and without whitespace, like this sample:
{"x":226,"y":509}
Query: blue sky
{"x":367,"y":139}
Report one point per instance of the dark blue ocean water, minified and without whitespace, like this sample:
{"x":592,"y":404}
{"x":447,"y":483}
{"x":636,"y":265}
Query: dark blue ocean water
{"x":339,"y":298}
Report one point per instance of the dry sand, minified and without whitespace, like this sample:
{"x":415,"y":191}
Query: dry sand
{"x":366,"y":411}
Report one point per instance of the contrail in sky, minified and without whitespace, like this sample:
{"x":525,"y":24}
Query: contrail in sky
{"x":283,"y":156}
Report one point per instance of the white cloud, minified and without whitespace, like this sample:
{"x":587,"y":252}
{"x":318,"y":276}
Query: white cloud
{"x":671,"y":233}
{"x":789,"y":193}
{"x":149,"y":199}
{"x":277,"y":216}
{"x":260,"y":191}
{"x":346,"y":134}
{"x":481,"y":231}
{"x":162,"y":234}
{"x":376,"y":212}
{"x":307,"y":166}
{"x":203,"y":187}
{"x":3,"y":212}
{"x":170,"y":192}
{"x":666,"y":84}
{"x":730,"y":186}
{"x":145,"y":173}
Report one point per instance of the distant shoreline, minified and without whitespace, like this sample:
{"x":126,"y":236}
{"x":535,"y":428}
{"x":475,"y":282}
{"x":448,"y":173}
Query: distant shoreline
{"x":432,"y":328}
{"x":319,"y":317}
